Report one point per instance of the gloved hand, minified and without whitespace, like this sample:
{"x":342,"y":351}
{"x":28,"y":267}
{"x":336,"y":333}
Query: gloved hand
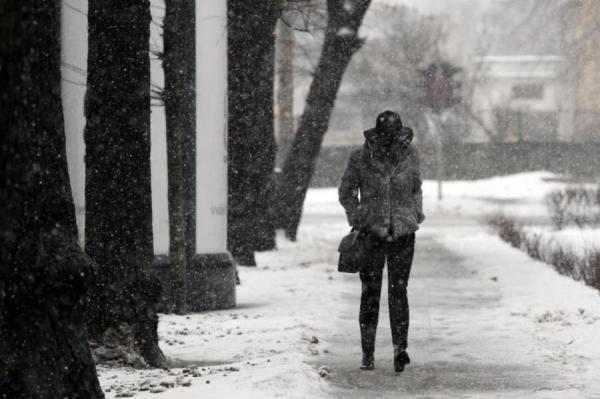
{"x":383,"y":232}
{"x":395,"y":235}
{"x":359,"y":219}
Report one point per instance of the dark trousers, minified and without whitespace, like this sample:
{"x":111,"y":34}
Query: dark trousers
{"x":399,"y":255}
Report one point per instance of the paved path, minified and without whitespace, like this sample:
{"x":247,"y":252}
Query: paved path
{"x":459,"y":348}
{"x":486,"y":322}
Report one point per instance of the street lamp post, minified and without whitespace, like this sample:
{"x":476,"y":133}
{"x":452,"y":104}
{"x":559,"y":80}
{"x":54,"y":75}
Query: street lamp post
{"x":441,"y":92}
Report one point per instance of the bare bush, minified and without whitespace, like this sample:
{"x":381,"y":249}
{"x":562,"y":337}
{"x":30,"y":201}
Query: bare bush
{"x":557,"y":204}
{"x":597,"y":205}
{"x":578,"y":205}
{"x":565,"y":261}
{"x":508,"y":229}
{"x":591,"y":268}
{"x":581,"y":205}
{"x":532,"y":244}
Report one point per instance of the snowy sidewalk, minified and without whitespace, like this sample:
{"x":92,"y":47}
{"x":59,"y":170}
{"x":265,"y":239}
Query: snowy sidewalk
{"x":486,"y":322}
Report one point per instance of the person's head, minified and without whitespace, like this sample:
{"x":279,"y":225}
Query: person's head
{"x":388,"y":132}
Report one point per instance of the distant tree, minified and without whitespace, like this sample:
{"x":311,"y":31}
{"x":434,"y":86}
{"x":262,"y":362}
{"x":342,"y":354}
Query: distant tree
{"x":524,"y":27}
{"x":179,"y":64}
{"x":251,"y":28}
{"x":44,"y":273}
{"x":300,"y":34}
{"x":118,"y":226}
{"x":385,"y":73}
{"x":340,"y":44}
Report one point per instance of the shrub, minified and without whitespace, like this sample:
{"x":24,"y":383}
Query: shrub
{"x":564,"y":261}
{"x":532,"y":244}
{"x":591,"y":268}
{"x":508,"y":229}
{"x":582,"y":205}
{"x":557,"y":204}
{"x":578,"y":205}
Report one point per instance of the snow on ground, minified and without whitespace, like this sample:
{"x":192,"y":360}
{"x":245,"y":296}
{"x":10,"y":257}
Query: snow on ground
{"x":259,"y":349}
{"x":562,"y":315}
{"x":579,"y":241}
{"x":487,"y":321}
{"x":521,"y":194}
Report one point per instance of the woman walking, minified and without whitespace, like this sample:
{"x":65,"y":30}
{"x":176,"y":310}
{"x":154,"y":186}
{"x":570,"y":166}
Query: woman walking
{"x":381,"y":193}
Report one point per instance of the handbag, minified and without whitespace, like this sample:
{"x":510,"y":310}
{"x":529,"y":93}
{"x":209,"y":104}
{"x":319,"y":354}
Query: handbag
{"x":352,"y":251}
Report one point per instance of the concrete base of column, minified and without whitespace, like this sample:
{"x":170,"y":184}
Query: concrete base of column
{"x":162,"y":269}
{"x":211,"y":282}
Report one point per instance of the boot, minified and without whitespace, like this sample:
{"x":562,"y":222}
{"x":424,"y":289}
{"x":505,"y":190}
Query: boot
{"x":401,"y":359}
{"x":367,"y":341}
{"x":368,"y":362}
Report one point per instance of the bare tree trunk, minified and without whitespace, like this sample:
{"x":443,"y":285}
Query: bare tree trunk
{"x":44,"y":274}
{"x":341,"y":42}
{"x":285,"y":92}
{"x":251,"y":139}
{"x":118,"y":194}
{"x":179,"y":64}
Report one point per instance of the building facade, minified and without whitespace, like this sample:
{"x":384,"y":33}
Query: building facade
{"x":522,"y":98}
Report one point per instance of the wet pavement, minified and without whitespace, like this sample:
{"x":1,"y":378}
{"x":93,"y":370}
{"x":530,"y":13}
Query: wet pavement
{"x":458,"y":345}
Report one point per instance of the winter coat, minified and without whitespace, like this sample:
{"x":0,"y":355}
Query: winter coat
{"x":390,"y":197}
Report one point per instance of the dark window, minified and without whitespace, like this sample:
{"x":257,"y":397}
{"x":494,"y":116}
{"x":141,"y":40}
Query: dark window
{"x":528,"y":91}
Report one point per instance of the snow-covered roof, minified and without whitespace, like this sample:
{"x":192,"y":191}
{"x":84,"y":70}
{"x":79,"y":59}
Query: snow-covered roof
{"x":521,"y":66}
{"x":527,"y":58}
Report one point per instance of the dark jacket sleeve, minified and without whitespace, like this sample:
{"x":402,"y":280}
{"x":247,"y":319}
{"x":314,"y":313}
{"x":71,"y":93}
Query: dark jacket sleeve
{"x":348,"y":189}
{"x":417,"y":193}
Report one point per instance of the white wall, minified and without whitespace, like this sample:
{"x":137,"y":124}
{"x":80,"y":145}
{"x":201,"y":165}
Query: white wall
{"x":499,"y":76}
{"x":158,"y":151}
{"x":211,"y":126}
{"x":73,"y":71}
{"x":74,"y":64}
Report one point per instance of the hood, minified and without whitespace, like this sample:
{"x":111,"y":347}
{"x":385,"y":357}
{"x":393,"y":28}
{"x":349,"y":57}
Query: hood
{"x":405,"y":138}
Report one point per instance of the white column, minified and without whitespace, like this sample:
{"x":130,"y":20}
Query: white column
{"x":211,"y":126}
{"x":158,"y":140}
{"x":73,"y":59}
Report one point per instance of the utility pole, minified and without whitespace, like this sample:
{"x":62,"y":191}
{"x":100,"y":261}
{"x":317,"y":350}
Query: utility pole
{"x":435,"y":128}
{"x":285,"y":92}
{"x":439,"y":153}
{"x":442,"y":91}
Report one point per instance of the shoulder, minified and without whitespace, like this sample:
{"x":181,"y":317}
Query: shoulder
{"x":414,"y":152}
{"x":356,"y":156}
{"x":414,"y":157}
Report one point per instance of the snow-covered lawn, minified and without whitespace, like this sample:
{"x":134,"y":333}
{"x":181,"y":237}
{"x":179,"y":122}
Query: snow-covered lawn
{"x":562,"y":315}
{"x":575,"y":240}
{"x":519,"y":195}
{"x":259,"y":349}
{"x":487,"y":321}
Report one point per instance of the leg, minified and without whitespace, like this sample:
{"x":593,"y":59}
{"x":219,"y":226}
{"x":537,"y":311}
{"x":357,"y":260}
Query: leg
{"x":370,"y":276}
{"x":400,"y":256}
